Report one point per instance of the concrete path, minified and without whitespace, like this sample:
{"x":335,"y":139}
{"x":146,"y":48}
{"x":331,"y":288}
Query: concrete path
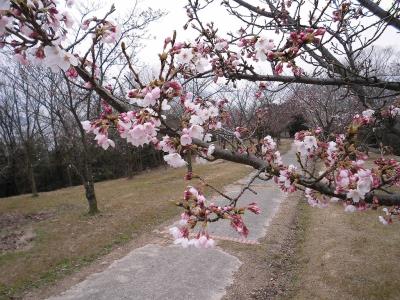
{"x":157,"y":272}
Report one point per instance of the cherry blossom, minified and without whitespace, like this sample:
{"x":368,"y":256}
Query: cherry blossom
{"x":86,"y":125}
{"x":350,"y":208}
{"x":332,"y":151}
{"x":151,"y":97}
{"x":104,"y":141}
{"x":268,"y":144}
{"x":55,"y":58}
{"x":110,"y":33}
{"x":167,"y":145}
{"x":221,"y":44}
{"x":253,"y":207}
{"x":263,"y":46}
{"x":186,"y":139}
{"x":306,"y":144}
{"x":202,"y":64}
{"x":196,"y":132}
{"x":185,"y":56}
{"x":210,"y":150}
{"x":285,"y":180}
{"x":202,"y":242}
{"x":383,"y":220}
{"x":70,"y":3}
{"x":238,"y":224}
{"x":175,"y":160}
{"x":368,"y":113}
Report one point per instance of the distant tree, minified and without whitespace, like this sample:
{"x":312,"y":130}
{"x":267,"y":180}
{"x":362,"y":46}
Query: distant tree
{"x":297,"y":123}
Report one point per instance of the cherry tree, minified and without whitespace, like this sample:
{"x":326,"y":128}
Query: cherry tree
{"x":19,"y":124}
{"x":327,"y":107}
{"x":330,"y":36}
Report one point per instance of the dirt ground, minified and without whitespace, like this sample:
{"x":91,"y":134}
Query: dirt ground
{"x":16,"y":232}
{"x":267,"y":269}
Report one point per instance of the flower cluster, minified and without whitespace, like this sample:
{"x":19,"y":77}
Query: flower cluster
{"x":35,"y":37}
{"x":35,"y":30}
{"x":198,"y":210}
{"x":314,"y":199}
{"x":286,"y":178}
{"x":100,"y":127}
{"x":306,"y":143}
{"x":202,"y":112}
{"x":269,"y":151}
{"x":387,"y":218}
{"x":181,"y":237}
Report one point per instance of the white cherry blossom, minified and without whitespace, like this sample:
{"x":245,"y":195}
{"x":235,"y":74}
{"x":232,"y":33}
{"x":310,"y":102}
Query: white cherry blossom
{"x":175,"y":160}
{"x":185,"y":56}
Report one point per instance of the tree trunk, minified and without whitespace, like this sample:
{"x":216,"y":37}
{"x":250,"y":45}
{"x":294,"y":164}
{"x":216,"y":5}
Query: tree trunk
{"x":32,"y":180}
{"x":69,"y":176}
{"x":89,"y":187}
{"x":91,"y":197}
{"x":130,"y":159}
{"x":139,"y":159}
{"x":189,"y":162}
{"x":278,"y":138}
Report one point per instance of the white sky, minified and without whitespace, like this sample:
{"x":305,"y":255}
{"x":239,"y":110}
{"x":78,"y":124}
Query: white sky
{"x":176,"y":18}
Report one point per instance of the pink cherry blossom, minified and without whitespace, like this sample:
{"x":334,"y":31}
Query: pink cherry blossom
{"x":238,"y":224}
{"x":186,"y":139}
{"x":151,"y":97}
{"x":196,"y":132}
{"x":104,"y":141}
{"x":254,"y":208}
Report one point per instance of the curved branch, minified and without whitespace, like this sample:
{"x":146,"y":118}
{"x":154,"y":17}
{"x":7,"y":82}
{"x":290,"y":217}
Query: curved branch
{"x":381,"y":13}
{"x":388,"y":85}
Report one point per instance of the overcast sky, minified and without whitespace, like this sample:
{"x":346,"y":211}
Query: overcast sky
{"x":176,"y":18}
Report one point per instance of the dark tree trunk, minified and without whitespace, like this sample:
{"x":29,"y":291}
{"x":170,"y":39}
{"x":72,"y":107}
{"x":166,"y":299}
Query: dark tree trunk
{"x":89,"y":186}
{"x":91,"y":197}
{"x":139,"y":159}
{"x":130,"y":162}
{"x":32,"y":180}
{"x":189,"y":162}
{"x":69,"y":176}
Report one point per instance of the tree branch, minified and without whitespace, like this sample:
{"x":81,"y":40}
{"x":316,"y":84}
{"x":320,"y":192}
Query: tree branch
{"x":381,"y":13}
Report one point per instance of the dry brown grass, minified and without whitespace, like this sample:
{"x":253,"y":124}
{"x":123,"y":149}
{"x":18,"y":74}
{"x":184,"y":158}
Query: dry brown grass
{"x":346,"y":256}
{"x":69,"y":239}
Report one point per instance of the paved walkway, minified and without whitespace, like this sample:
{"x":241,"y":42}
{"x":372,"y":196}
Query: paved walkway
{"x":171,"y":272}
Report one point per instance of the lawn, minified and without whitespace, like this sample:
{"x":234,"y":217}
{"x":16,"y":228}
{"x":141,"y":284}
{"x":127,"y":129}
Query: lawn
{"x":346,"y":255}
{"x":56,"y":237}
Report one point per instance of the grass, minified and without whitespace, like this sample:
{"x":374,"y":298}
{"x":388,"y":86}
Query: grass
{"x":346,"y":256}
{"x":70,"y":239}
